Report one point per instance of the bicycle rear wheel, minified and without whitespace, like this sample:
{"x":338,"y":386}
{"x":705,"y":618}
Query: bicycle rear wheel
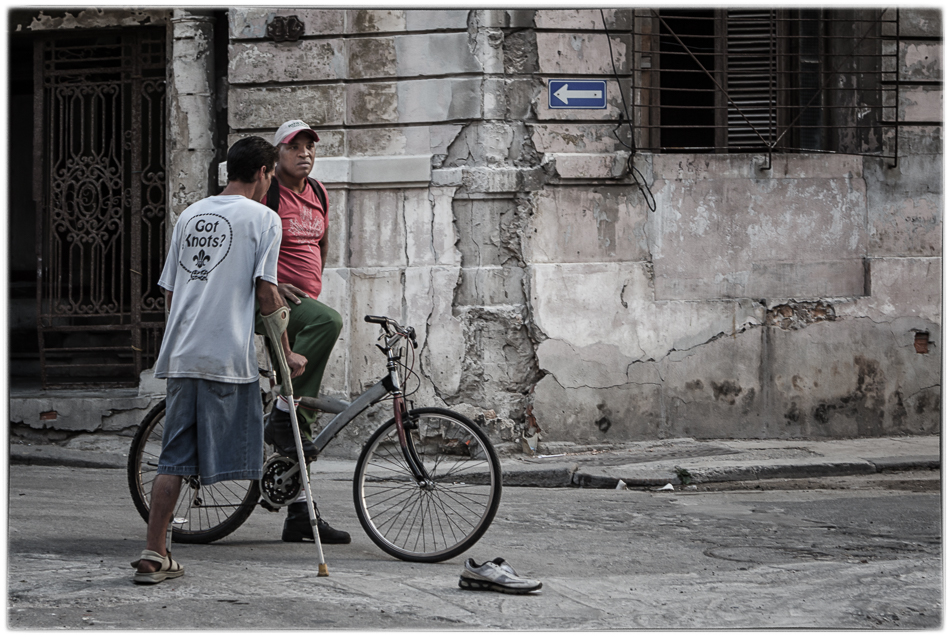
{"x":217,"y":510}
{"x":438,"y":520}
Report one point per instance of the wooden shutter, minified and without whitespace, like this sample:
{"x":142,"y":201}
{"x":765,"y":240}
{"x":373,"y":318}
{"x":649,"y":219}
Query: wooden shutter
{"x":751,"y":73}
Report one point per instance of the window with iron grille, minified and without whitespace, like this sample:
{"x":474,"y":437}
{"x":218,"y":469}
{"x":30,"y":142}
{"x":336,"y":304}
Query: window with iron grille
{"x":753,"y":80}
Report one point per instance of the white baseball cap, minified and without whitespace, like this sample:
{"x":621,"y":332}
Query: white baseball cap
{"x":289,"y":129}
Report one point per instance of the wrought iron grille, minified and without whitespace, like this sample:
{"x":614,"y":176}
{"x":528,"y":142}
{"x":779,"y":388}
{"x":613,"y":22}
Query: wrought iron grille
{"x":100,"y":187}
{"x":753,"y":80}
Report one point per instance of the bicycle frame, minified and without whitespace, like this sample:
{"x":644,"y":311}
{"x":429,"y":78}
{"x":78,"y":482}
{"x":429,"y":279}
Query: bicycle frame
{"x":345,"y":415}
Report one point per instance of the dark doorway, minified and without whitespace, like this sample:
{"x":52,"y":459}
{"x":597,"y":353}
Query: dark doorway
{"x":21,"y":215}
{"x":99,"y":195}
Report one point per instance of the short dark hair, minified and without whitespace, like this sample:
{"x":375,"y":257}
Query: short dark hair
{"x":247,"y":156}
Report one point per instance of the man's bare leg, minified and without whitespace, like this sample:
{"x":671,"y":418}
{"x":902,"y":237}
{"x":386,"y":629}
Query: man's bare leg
{"x":165,"y":490}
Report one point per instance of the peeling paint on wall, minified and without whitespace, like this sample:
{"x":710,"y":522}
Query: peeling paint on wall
{"x":96,"y":18}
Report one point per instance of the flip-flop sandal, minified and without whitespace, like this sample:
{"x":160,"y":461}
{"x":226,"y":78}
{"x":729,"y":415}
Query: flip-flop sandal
{"x":169,"y":569}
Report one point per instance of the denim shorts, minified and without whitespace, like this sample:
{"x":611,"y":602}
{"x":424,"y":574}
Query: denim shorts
{"x":212,"y":430}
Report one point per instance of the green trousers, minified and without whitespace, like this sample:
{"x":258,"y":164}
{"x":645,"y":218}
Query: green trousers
{"x":312,"y":331}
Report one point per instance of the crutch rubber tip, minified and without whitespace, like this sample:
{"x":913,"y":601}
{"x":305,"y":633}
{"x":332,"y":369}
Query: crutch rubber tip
{"x":322,"y":571}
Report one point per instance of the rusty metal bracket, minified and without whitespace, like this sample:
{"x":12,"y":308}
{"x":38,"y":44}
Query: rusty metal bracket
{"x":285,"y":28}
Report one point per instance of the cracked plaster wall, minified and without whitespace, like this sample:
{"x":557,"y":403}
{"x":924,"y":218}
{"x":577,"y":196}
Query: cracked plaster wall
{"x":749,"y":304}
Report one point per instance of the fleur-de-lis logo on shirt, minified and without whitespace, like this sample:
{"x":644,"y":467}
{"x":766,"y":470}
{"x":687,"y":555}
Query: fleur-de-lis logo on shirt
{"x":201,"y":259}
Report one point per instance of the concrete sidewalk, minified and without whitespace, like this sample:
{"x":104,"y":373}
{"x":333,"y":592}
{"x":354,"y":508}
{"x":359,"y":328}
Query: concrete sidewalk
{"x":679,"y":461}
{"x":688,"y":461}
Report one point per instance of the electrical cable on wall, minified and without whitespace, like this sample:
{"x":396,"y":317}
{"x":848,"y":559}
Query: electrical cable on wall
{"x":631,"y":168}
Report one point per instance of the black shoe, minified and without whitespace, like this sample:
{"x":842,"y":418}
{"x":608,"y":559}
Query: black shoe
{"x":280,"y":433}
{"x":297,"y":527}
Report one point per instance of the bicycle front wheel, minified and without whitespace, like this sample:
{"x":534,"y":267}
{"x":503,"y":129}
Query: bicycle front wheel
{"x":440,"y":519}
{"x":216,"y":511}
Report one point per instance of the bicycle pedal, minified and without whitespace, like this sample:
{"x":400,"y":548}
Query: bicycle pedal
{"x":268,"y":506}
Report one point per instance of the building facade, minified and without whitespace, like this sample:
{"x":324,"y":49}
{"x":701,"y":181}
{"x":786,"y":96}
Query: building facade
{"x":744,"y":241}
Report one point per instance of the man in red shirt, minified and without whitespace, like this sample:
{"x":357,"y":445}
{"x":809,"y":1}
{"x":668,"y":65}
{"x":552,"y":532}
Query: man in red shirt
{"x":314,"y":327}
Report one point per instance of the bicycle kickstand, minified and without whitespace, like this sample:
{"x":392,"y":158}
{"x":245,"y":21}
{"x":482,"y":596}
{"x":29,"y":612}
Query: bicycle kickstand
{"x":274,"y":325}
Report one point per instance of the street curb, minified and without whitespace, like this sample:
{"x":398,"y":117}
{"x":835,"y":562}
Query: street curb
{"x":758,"y":472}
{"x":588,"y":481}
{"x":907,"y":463}
{"x":548,"y":477}
{"x":39,"y":456}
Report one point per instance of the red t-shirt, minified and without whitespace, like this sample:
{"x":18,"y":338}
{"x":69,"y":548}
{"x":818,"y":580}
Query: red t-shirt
{"x":304,"y":223}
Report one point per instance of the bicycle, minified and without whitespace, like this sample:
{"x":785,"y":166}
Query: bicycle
{"x":426,"y":486}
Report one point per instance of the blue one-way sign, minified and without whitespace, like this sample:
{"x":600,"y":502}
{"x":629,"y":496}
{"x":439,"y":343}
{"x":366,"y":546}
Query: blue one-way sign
{"x":577,"y":94}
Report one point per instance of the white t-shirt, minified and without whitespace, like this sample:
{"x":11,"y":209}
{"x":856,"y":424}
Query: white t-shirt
{"x":219,"y":247}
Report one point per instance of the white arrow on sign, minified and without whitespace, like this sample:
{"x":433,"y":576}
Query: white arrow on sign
{"x":564,"y":94}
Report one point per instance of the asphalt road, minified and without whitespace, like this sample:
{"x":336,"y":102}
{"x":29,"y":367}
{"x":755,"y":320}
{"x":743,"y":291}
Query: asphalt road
{"x":858,"y":555}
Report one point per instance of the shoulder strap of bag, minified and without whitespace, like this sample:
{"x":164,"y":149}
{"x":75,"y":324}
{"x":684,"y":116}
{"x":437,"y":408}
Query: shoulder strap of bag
{"x":321,"y":194}
{"x":273,"y":195}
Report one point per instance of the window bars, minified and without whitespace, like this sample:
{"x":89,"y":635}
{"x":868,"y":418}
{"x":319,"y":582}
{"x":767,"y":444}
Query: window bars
{"x":754,"y":80}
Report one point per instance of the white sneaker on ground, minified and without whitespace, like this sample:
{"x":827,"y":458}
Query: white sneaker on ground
{"x":496,"y":575}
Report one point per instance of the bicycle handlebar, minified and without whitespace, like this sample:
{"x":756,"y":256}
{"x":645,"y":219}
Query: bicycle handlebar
{"x":379,"y":320}
{"x":386,"y":322}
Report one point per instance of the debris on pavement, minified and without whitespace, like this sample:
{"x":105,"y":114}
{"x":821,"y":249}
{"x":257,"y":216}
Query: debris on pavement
{"x":683,"y":474}
{"x":531,"y":435}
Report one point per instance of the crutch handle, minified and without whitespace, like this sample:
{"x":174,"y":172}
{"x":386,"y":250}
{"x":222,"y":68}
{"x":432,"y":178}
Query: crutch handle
{"x":274,"y":326}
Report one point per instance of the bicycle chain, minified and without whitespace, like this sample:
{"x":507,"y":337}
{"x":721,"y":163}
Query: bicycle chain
{"x":277,"y":488}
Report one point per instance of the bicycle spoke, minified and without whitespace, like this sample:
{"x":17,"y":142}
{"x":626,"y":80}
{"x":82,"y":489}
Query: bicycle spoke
{"x":461,"y":501}
{"x":377,"y":490}
{"x":438,"y":519}
{"x":452,"y":521}
{"x":219,"y":487}
{"x":414,"y":513}
{"x":395,"y":506}
{"x":399,"y":510}
{"x":209,"y":494}
{"x":393,"y":461}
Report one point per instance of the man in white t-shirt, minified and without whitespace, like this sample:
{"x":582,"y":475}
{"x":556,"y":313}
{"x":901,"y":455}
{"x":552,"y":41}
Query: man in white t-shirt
{"x":222,"y":257}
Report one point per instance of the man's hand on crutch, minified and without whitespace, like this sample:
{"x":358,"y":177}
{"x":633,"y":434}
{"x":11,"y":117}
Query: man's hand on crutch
{"x":275,"y":325}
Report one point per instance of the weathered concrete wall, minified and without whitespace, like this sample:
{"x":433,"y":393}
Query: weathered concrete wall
{"x":785,"y":303}
{"x":191,"y":112}
{"x":832,"y":264}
